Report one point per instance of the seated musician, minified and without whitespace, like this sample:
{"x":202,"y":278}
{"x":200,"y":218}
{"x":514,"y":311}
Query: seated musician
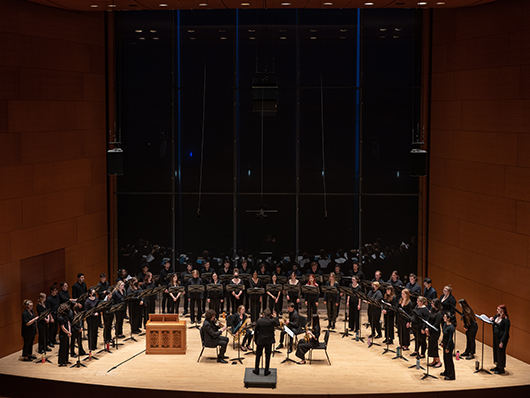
{"x":212,"y":335}
{"x":240,"y":327}
{"x":311,"y":340}
{"x":292,"y":323}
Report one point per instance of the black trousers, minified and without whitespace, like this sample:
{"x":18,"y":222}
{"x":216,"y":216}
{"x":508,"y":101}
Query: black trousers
{"x":42,"y":326}
{"x":215,"y":304}
{"x":254,"y":308}
{"x":471,"y":333}
{"x":389,"y":325}
{"x":311,"y":308}
{"x":166,"y":302}
{"x":120,"y":315}
{"x":449,"y":364}
{"x":259,"y":353}
{"x":374,"y":318}
{"x":499,"y":354}
{"x":173,"y":305}
{"x":332,"y":311}
{"x":52,"y":330}
{"x":403,"y":332}
{"x":222,"y":342}
{"x":420,"y":340}
{"x":354,"y":315}
{"x":27,"y":348}
{"x":63,"y":348}
{"x":195,"y":304}
{"x":107,"y":327}
{"x":302,"y":349}
{"x":93,"y":325}
{"x":433,"y":344}
{"x":76,"y":337}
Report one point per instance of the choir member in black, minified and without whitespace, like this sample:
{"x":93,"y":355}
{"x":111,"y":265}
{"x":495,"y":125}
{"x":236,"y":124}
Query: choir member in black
{"x":141,"y":275}
{"x":117,"y":297}
{"x":264,"y":331}
{"x":213,"y":335}
{"x":403,"y":323}
{"x":388,"y":314}
{"x":107,"y":320}
{"x":215,"y":299}
{"x":263,"y":269}
{"x":374,"y":312}
{"x":314,"y":270}
{"x":501,"y":334}
{"x":255,"y":300}
{"x":237,"y":298}
{"x":79,"y":288}
{"x":227,"y":269}
{"x":123,"y":275}
{"x":64,"y":333}
{"x":64,"y":295}
{"x":429,"y":292}
{"x":355,"y":271}
{"x":163,"y":280}
{"x":276,"y":298}
{"x":103,"y":286}
{"x":52,"y":303}
{"x":93,"y":320}
{"x":195,"y":299}
{"x":206,"y":269}
{"x":311,"y":340}
{"x":174,"y":297}
{"x":29,"y":330}
{"x":418,"y":327}
{"x":395,"y":281}
{"x":332,"y":300}
{"x":293,"y":297}
{"x":448,"y":346}
{"x":76,"y":329}
{"x":447,"y":300}
{"x":42,"y":325}
{"x":149,"y":301}
{"x":311,"y":300}
{"x":378,"y":277}
{"x":414,"y":288}
{"x":186,"y":274}
{"x":245,"y":269}
{"x":278,"y":271}
{"x":135,"y":305}
{"x":294,"y":270}
{"x":339,"y":274}
{"x":354,"y":304}
{"x":471,"y":327}
{"x":292,"y":323}
{"x":240,"y":321}
{"x":435,"y":319}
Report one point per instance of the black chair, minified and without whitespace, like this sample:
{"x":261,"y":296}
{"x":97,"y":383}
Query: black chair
{"x":203,"y":346}
{"x":303,"y":323}
{"x":321,"y":346}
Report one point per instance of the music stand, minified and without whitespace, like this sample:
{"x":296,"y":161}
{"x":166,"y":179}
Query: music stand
{"x":406,"y":316}
{"x":113,"y":309}
{"x":207,"y":276}
{"x":345,"y":280}
{"x":44,"y":314}
{"x":484,"y":320}
{"x":146,"y":293}
{"x":264,"y":279}
{"x":370,"y":302}
{"x":281,"y":279}
{"x":233,"y":288}
{"x":310,"y":290}
{"x":388,"y":307}
{"x":330,"y":290}
{"x":128,"y":299}
{"x":459,"y":313}
{"x":196,"y":289}
{"x":79,"y":318}
{"x":291,"y":335}
{"x":348,"y":292}
{"x":103,"y":305}
{"x":245,"y":277}
{"x":426,"y":374}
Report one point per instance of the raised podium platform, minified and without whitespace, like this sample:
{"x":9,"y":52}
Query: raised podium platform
{"x":165,"y":334}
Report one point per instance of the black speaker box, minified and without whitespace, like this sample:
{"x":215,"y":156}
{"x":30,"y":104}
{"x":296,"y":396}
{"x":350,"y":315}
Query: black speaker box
{"x":115,"y":162}
{"x":418,"y":163}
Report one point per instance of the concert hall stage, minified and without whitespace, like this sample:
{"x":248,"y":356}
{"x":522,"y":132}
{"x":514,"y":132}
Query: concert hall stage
{"x":355,"y":370}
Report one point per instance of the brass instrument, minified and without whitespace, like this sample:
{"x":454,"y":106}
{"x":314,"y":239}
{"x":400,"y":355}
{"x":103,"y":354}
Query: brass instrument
{"x":283,"y":321}
{"x":241,"y":329}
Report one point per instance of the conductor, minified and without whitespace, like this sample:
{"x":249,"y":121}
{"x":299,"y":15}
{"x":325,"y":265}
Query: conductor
{"x":264,"y":333}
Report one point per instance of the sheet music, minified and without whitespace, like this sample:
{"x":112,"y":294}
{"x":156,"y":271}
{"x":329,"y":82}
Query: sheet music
{"x":288,"y":331}
{"x":484,"y":318}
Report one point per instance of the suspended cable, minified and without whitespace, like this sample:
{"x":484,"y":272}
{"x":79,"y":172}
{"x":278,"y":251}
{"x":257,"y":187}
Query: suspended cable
{"x":262,"y":105}
{"x":202,"y":140}
{"x":323,"y":147}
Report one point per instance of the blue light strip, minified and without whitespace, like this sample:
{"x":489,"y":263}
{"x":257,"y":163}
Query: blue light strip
{"x":358,"y":98}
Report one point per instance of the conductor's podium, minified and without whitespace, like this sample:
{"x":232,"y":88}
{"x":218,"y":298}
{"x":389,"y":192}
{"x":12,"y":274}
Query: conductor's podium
{"x":165,"y":334}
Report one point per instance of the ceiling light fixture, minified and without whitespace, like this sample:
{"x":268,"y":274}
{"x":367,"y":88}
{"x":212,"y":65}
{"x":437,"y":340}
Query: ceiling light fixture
{"x":163,"y":5}
{"x":368,"y":4}
{"x":203,"y":5}
{"x":94,"y":5}
{"x":327,"y":4}
{"x":112,"y":5}
{"x":153,"y":31}
{"x":422,"y":3}
{"x":138,"y":30}
{"x":286,"y":4}
{"x":245,"y":4}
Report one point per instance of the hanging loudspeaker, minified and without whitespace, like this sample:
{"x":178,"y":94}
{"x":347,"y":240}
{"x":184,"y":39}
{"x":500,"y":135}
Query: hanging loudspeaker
{"x":418,"y":163}
{"x":115,"y":162}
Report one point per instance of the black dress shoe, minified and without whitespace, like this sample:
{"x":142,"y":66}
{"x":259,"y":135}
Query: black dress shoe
{"x":413,"y":354}
{"x":442,"y":374}
{"x":448,"y":378}
{"x":26,"y":359}
{"x":256,"y":372}
{"x":48,"y":349}
{"x":267,"y":372}
{"x":378,"y":336}
{"x":51,"y":345}
{"x":73,"y":355}
{"x":499,"y":372}
{"x":494,"y":369}
{"x":280,"y":346}
{"x":221,"y":360}
{"x":83,"y":353}
{"x":470,"y":356}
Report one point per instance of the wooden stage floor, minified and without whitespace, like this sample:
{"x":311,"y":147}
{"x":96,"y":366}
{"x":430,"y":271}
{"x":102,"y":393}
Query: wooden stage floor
{"x":355,"y":370}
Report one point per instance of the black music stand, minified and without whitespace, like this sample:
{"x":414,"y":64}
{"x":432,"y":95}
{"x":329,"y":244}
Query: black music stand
{"x":146,"y":293}
{"x":426,"y":374}
{"x":454,"y":334}
{"x":103,"y":305}
{"x":330,"y":290}
{"x":484,"y":320}
{"x":44,"y":314}
{"x":79,"y":318}
{"x":196,"y":289}
{"x":256,"y":291}
{"x":118,"y":307}
{"x":290,"y":333}
{"x":206,"y":276}
{"x":214,"y":287}
{"x":264,"y":279}
{"x":399,"y":352}
{"x":281,"y":279}
{"x":370,"y":302}
{"x":310,"y":290}
{"x":348,"y":292}
{"x":128,"y":299}
{"x":388,"y":307}
{"x":88,"y":313}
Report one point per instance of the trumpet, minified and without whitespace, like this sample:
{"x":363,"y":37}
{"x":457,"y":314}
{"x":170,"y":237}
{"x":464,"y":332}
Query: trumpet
{"x":219,"y":324}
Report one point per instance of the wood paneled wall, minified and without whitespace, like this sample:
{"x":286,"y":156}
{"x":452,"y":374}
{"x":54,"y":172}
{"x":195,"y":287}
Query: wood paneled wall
{"x":53,"y":187}
{"x":479,"y":198}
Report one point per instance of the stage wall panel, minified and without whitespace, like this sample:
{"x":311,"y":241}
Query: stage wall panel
{"x":479,"y":160}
